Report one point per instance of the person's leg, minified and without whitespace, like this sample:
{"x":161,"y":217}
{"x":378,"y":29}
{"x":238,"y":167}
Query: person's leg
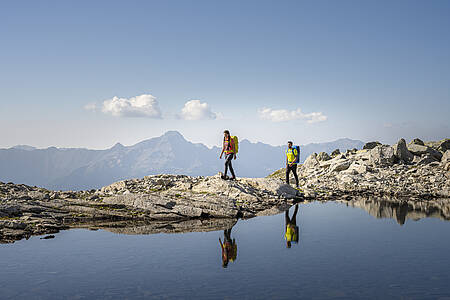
{"x":288,"y":170}
{"x":286,"y":218}
{"x":227,"y":234}
{"x":231,"y":167}
{"x":294,"y":170}
{"x":294,"y":216}
{"x":226,"y":165}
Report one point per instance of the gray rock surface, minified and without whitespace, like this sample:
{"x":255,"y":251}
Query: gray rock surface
{"x":176,"y":202}
{"x":381,"y":171}
{"x":417,"y":141}
{"x":382,"y":155}
{"x":401,"y":152}
{"x":443,"y":145}
{"x":323,"y":156}
{"x":26,"y":211}
{"x":335,"y":152}
{"x":371,"y":145}
{"x":421,"y":150}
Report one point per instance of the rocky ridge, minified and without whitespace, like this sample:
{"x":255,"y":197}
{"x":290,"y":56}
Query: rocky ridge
{"x":415,"y":171}
{"x":159,"y":201}
{"x":385,"y":180}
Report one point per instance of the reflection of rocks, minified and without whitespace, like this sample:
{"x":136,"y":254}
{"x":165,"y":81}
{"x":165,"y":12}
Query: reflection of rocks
{"x":153,"y":227}
{"x":27,"y":211}
{"x":403,"y":210}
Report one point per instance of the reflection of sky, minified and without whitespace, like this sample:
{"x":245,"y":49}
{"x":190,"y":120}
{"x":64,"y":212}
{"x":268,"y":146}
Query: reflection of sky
{"x":342,"y":252}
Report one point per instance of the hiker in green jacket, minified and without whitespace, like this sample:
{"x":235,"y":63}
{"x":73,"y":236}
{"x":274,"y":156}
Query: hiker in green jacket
{"x":292,"y":231}
{"x":291,"y":164}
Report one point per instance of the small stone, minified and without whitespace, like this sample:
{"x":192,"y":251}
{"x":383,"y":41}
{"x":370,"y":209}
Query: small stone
{"x":417,"y":141}
{"x":335,"y":152}
{"x":323,"y":156}
{"x":340,"y":166}
{"x":401,"y":151}
{"x":47,"y":237}
{"x":426,"y":159}
{"x":371,"y":145}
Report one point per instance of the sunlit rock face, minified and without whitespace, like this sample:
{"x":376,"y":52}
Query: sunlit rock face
{"x":418,"y":170}
{"x":164,"y":203}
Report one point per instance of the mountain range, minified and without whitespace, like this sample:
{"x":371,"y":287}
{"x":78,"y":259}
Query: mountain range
{"x":77,"y":168}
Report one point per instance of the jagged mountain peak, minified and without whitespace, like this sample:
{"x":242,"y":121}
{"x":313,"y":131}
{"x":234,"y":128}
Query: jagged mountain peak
{"x":173,"y":134}
{"x":117,"y":146}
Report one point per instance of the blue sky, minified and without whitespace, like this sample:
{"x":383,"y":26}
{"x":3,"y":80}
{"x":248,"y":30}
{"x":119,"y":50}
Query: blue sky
{"x":310,"y":71}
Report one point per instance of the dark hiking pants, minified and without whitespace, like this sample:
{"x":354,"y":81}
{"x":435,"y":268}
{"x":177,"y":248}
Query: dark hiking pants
{"x":292,"y":168}
{"x":228,"y":159}
{"x":292,"y":220}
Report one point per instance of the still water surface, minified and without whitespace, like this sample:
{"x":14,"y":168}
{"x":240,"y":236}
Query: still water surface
{"x":343,"y":252}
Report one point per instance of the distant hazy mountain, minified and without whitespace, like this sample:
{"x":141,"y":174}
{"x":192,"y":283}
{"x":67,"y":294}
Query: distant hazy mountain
{"x":76,"y":168}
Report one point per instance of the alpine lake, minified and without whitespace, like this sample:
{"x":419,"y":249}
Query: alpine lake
{"x":338,"y":251}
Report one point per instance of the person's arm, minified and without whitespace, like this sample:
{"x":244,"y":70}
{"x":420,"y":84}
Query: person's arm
{"x":221,"y":153}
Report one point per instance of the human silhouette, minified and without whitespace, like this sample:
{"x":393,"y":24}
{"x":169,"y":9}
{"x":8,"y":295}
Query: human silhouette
{"x":229,"y":248}
{"x":292,"y":231}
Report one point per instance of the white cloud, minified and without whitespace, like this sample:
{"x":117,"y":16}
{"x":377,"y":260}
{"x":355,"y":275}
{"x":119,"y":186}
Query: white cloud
{"x":144,"y":106}
{"x":281,"y":115}
{"x":196,"y":110}
{"x":90,"y":106}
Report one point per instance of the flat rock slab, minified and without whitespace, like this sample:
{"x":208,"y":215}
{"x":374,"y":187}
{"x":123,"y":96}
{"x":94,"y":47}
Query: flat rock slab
{"x":27,"y":211}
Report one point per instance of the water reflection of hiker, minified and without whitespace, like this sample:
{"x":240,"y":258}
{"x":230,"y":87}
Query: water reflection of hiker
{"x":229,"y":248}
{"x":291,"y":234}
{"x":229,"y":148}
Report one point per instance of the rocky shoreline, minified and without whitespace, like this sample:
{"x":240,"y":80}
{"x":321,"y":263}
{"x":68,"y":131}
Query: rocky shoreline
{"x":385,"y":180}
{"x":417,"y":171}
{"x":166,"y":201}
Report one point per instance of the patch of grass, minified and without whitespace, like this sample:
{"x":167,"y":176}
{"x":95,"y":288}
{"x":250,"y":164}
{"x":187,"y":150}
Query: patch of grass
{"x":9,"y":218}
{"x":277,"y":174}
